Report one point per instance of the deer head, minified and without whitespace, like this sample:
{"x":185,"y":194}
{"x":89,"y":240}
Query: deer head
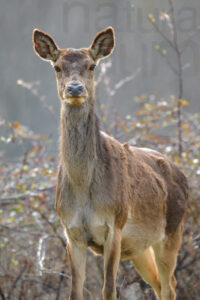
{"x":74,"y":68}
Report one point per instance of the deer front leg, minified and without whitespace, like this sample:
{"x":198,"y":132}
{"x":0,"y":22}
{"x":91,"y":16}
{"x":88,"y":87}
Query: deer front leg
{"x":112,"y":250}
{"x":77,"y":261}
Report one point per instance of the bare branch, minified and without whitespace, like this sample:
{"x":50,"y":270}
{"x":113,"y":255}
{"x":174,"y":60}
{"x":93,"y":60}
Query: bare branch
{"x":61,"y":277}
{"x":22,"y":196}
{"x":2,"y":294}
{"x":169,"y":63}
{"x":174,"y":45}
{"x":162,"y":34}
{"x":23,"y":269}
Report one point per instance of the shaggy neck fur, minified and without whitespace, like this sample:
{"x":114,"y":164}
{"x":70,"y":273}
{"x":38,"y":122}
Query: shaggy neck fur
{"x":80,"y":142}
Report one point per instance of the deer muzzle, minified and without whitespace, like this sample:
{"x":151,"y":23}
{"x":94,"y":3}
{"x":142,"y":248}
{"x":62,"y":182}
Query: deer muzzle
{"x":75,"y":94}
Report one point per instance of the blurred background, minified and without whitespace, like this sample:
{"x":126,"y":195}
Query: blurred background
{"x":73,"y":24}
{"x":147,"y":93}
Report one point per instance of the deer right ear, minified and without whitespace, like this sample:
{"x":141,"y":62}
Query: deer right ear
{"x":44,"y":45}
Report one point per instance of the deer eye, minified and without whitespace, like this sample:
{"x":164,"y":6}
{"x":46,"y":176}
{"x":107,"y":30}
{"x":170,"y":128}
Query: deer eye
{"x":57,"y":69}
{"x":92,"y":67}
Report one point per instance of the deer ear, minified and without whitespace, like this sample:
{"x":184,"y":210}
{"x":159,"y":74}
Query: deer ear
{"x":44,"y":45}
{"x":103,"y":43}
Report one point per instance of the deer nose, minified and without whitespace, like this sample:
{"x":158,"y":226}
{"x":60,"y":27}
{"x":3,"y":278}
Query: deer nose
{"x":75,"y":89}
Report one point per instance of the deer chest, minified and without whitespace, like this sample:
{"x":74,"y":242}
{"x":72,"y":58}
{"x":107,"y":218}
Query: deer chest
{"x":85,"y":227}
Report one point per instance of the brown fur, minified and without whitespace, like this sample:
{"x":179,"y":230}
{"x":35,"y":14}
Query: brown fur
{"x":120,"y":201}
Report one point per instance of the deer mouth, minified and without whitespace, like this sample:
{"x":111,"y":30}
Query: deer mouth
{"x":75,"y":100}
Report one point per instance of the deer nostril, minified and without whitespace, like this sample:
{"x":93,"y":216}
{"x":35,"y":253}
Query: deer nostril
{"x":69,"y":89}
{"x":80,"y":88}
{"x":75,"y":89}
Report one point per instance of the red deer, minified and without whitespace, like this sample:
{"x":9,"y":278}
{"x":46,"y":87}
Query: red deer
{"x":122,"y":202}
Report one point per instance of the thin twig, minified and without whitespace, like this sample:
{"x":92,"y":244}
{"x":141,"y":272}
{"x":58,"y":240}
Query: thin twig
{"x":50,"y":271}
{"x":169,"y":63}
{"x":163,"y":35}
{"x":16,"y":281}
{"x":114,"y":90}
{"x":21,"y":291}
{"x":174,"y":45}
{"x":60,"y":284}
{"x":2,"y":294}
{"x":3,"y":201}
{"x":43,"y":217}
{"x":180,"y":78}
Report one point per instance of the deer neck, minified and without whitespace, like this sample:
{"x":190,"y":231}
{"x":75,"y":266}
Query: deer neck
{"x":80,"y":143}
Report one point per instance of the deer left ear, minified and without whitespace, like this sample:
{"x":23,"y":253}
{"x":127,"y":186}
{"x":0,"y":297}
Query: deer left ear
{"x":103,"y":44}
{"x":44,"y":45}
